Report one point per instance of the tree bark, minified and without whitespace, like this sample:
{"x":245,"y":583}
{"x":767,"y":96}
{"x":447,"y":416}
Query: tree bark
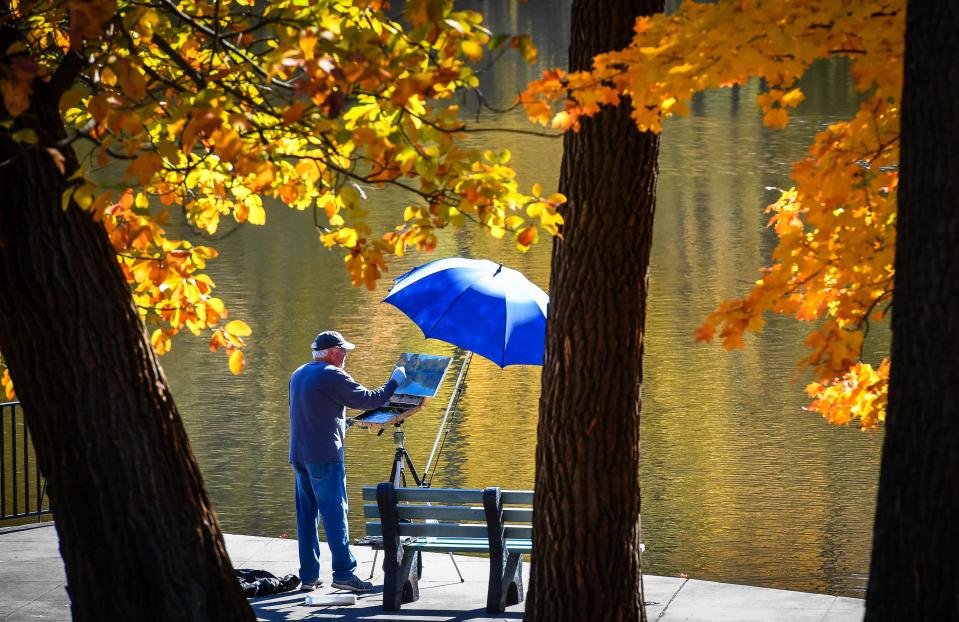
{"x":914,"y":573}
{"x":138,"y":535}
{"x":587,"y":507}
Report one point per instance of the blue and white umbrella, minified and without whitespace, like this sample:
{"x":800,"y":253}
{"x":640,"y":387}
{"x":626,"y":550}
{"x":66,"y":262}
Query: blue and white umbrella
{"x":478,"y":305}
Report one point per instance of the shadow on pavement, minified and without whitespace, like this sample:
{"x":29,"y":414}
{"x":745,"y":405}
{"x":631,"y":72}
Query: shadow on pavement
{"x":369,"y":606}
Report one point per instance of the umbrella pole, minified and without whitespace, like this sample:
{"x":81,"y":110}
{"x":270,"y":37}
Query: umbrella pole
{"x":454,"y":398}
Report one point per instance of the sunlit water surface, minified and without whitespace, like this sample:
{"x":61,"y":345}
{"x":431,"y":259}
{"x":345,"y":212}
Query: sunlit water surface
{"x":739,"y":483}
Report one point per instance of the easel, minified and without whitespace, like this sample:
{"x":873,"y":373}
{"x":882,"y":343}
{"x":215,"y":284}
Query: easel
{"x":450,"y":408}
{"x":402,"y":458}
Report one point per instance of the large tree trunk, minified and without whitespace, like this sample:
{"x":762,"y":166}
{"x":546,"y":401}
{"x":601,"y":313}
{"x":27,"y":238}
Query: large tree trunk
{"x":914,"y":573}
{"x":586,"y":514}
{"x":138,"y":536}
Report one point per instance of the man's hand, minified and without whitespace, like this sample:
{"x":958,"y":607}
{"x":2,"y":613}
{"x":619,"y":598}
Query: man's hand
{"x":399,"y":375}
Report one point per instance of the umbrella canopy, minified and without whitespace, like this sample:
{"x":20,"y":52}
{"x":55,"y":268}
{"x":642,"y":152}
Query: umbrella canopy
{"x":478,"y":305}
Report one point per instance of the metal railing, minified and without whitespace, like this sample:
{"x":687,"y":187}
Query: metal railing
{"x":22,"y":487}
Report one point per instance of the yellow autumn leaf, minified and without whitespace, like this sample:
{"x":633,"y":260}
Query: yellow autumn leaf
{"x":472,"y":49}
{"x":238,"y":328}
{"x":237,"y":362}
{"x":346,"y":236}
{"x":793,"y":97}
{"x":161,"y":341}
{"x":512,"y":222}
{"x":257,"y":215}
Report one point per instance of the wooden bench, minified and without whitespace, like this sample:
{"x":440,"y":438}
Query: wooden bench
{"x":450,"y":520}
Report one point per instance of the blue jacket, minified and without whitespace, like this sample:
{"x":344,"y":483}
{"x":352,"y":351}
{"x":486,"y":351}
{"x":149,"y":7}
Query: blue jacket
{"x":319,"y":396}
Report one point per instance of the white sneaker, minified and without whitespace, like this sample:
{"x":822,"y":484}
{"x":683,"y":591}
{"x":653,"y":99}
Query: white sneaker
{"x":309,"y":587}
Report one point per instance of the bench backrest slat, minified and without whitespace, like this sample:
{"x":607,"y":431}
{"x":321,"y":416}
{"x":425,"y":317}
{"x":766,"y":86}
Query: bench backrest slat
{"x":517,"y":497}
{"x":450,"y":513}
{"x":434,"y":495}
{"x":451,"y":530}
{"x":438,"y":512}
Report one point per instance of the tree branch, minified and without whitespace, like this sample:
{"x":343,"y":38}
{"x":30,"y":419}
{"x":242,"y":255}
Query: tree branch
{"x":181,"y":62}
{"x":66,"y":74}
{"x":189,"y":20}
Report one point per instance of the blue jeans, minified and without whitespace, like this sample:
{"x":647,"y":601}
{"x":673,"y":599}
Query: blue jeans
{"x":321,"y":492}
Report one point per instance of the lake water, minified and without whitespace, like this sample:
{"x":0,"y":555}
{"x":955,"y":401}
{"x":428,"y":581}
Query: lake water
{"x":739,"y":483}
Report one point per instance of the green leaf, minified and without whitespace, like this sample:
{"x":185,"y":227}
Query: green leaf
{"x":65,"y":198}
{"x":84,"y":195}
{"x":26,"y":135}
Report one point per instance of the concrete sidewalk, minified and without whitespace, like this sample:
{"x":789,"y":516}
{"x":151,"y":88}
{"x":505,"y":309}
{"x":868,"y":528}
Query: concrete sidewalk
{"x":32,"y":580}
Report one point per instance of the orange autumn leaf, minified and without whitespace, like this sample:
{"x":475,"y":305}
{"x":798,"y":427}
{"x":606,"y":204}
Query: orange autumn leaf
{"x":145,"y":166}
{"x":16,"y":77}
{"x":227,"y":143}
{"x":87,"y":19}
{"x":16,"y":96}
{"x":526,"y":237}
{"x":130,"y":79}
{"x":7,"y":382}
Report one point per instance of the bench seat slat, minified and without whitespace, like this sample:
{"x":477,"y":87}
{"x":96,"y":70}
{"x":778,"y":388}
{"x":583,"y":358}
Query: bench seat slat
{"x":451,"y":495}
{"x":467,"y":545}
{"x":451,"y":530}
{"x":450,"y":513}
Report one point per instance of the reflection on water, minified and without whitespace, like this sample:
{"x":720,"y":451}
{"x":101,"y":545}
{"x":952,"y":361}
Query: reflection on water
{"x":739,"y":484}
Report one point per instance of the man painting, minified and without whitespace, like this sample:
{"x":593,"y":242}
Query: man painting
{"x":320,"y":392}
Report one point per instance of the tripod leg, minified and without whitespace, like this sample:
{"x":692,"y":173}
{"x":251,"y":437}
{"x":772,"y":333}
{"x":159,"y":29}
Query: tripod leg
{"x":396,"y":474}
{"x":455,"y":565}
{"x":409,"y":463}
